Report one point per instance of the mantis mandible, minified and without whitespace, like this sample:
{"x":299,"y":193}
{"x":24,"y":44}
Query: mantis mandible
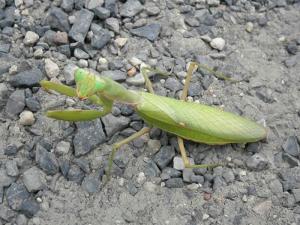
{"x":187,"y":120}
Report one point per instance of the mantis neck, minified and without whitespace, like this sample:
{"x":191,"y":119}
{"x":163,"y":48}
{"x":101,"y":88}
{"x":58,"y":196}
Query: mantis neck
{"x":116,"y":92}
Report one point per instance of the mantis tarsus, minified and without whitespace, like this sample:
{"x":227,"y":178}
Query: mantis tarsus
{"x":190,"y":121}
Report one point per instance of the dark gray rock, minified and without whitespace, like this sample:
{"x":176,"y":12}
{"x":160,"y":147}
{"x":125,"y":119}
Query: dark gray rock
{"x":187,"y":173}
{"x":290,"y":159}
{"x":101,"y":12}
{"x":254,"y":147}
{"x":12,"y":168}
{"x":5,"y":180}
{"x":83,"y":164}
{"x":290,"y":178}
{"x":75,"y":174}
{"x":91,"y":184}
{"x":64,"y":49}
{"x":6,"y":214}
{"x":29,"y":207}
{"x":67,"y":5}
{"x":4,"y":48}
{"x":46,"y":160}
{"x":88,"y":136}
{"x":169,"y":172}
{"x":79,"y":4}
{"x":111,"y":5}
{"x":197,"y":179}
{"x":257,"y":162}
{"x":164,"y":156}
{"x":33,"y":104}
{"x":151,"y":169}
{"x":16,"y":194}
{"x":265,"y":94}
{"x":151,"y":31}
{"x":15,"y":103}
{"x":28,"y":78}
{"x":64,"y":166}
{"x":81,"y":25}
{"x":58,"y":19}
{"x":208,"y":20}
{"x":228,"y":175}
{"x":174,"y":183}
{"x":218,"y":183}
{"x":131,"y":8}
{"x":100,"y":38}
{"x":114,"y":124}
{"x":291,"y":146}
{"x":132,"y":189}
{"x":80,"y":54}
{"x":291,"y":61}
{"x":173,"y":84}
{"x":195,"y":89}
{"x":292,"y":48}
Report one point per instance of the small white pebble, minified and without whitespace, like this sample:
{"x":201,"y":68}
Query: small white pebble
{"x":70,"y":102}
{"x":121,"y":182}
{"x":282,"y":39}
{"x":218,"y":43}
{"x":228,"y":159}
{"x":243,"y":173}
{"x":13,"y":70}
{"x":190,"y":99}
{"x":178,"y":163}
{"x":162,"y":184}
{"x":249,"y":27}
{"x":121,"y":42}
{"x":205,"y":216}
{"x":214,"y":96}
{"x":244,"y":198}
{"x":39,"y":200}
{"x":162,"y":81}
{"x":51,"y":68}
{"x":141,"y":178}
{"x":193,"y":186}
{"x":102,"y":60}
{"x":38,"y":53}
{"x":241,"y":94}
{"x":183,"y":81}
{"x":150,"y":187}
{"x":83,"y":63}
{"x":135,"y":61}
{"x":26,"y":118}
{"x":197,"y":101}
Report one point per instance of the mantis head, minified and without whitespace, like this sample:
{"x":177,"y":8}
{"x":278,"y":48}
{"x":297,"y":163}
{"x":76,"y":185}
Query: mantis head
{"x":87,"y":84}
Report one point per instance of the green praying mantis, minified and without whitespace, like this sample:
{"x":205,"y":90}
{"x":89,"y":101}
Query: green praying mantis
{"x":187,"y":120}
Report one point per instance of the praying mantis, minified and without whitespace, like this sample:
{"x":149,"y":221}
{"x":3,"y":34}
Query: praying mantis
{"x":187,"y":120}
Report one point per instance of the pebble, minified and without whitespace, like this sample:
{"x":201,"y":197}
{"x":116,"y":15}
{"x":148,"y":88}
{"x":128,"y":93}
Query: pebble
{"x":75,"y":174}
{"x":16,"y":194}
{"x":33,"y":104}
{"x":178,"y":163}
{"x":291,"y":61}
{"x":174,"y":183}
{"x":27,"y":118}
{"x":39,"y":53}
{"x":114,"y":124}
{"x":30,"y":38}
{"x":296,"y":193}
{"x":89,"y":135}
{"x":100,"y":38}
{"x":213,"y":2}
{"x":80,"y":54}
{"x":27,"y":78}
{"x":173,"y":84}
{"x":46,"y":160}
{"x":152,"y":169}
{"x":62,"y":148}
{"x":83,"y":164}
{"x":68,"y":72}
{"x":187,"y":173}
{"x":91,"y":184}
{"x":292,"y":48}
{"x":29,"y":207}
{"x":18,"y":3}
{"x":151,"y":31}
{"x":67,"y":5}
{"x":263,"y":207}
{"x":218,"y":43}
{"x":150,"y":187}
{"x":21,"y":220}
{"x":81,"y":25}
{"x":152,"y":9}
{"x":12,"y":168}
{"x":112,"y":24}
{"x":141,"y":178}
{"x":257,"y":162}
{"x":58,"y":19}
{"x":101,"y":13}
{"x":51,"y":68}
{"x":136,"y":80}
{"x":115,"y":75}
{"x":164,"y":156}
{"x":32,"y":179}
{"x":249,"y":27}
{"x":131,"y":8}
{"x":15,"y":103}
{"x":291,"y":146}
{"x":91,"y":4}
{"x":11,"y":150}
{"x":168,"y":173}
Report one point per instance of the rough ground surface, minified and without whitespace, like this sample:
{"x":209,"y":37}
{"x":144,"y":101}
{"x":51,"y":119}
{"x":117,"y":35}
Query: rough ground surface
{"x":51,"y":172}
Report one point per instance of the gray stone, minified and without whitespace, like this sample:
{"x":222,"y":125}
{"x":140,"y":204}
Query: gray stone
{"x":132,"y":189}
{"x":88,"y":136}
{"x":290,"y":178}
{"x":291,"y":61}
{"x":174,"y":183}
{"x":62,"y":148}
{"x":91,"y":4}
{"x":83,"y":164}
{"x":168,"y":173}
{"x":80,"y":54}
{"x":6,"y":214}
{"x":16,"y":194}
{"x":2,"y":4}
{"x":81,"y":25}
{"x":265,"y":94}
{"x":131,"y":8}
{"x":111,"y":5}
{"x":30,"y":38}
{"x":64,"y":49}
{"x":151,"y":31}
{"x":100,"y":38}
{"x":29,"y":207}
{"x":91,"y":184}
{"x":28,"y":78}
{"x":1,"y":194}
{"x":187,"y":174}
{"x":4,"y":48}
{"x":21,"y":220}
{"x":32,"y":178}
{"x":152,"y":9}
{"x":151,"y":169}
{"x":291,"y":146}
{"x":51,"y":68}
{"x":101,"y":13}
{"x":136,"y":80}
{"x":263,"y":207}
{"x":75,"y":174}
{"x":46,"y":160}
{"x":254,"y":147}
{"x":164,"y":156}
{"x":228,"y":175}
{"x":69,"y":72}
{"x":58,"y":19}
{"x":257,"y":162}
{"x":15,"y":103}
{"x":293,"y":161}
{"x":114,"y":124}
{"x":12,"y":168}
{"x":173,"y":84}
{"x":276,"y":187}
{"x":218,"y":183}
{"x":197,"y":179}
{"x":33,"y":104}
{"x":67,"y":5}
{"x":64,"y":166}
{"x":292,"y":48}
{"x":112,"y":24}
{"x":5,"y":180}
{"x":191,"y":21}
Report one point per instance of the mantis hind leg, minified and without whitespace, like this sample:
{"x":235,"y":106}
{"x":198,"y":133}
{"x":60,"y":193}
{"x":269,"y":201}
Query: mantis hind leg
{"x":186,"y":162}
{"x":118,"y":145}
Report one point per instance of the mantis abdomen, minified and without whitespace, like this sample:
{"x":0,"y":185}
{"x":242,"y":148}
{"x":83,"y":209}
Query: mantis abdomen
{"x":197,"y":122}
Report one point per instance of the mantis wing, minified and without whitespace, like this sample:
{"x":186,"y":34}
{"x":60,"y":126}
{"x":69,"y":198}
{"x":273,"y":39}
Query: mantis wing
{"x":197,"y":122}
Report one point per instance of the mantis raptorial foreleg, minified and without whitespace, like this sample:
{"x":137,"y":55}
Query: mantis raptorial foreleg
{"x":193,"y":66}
